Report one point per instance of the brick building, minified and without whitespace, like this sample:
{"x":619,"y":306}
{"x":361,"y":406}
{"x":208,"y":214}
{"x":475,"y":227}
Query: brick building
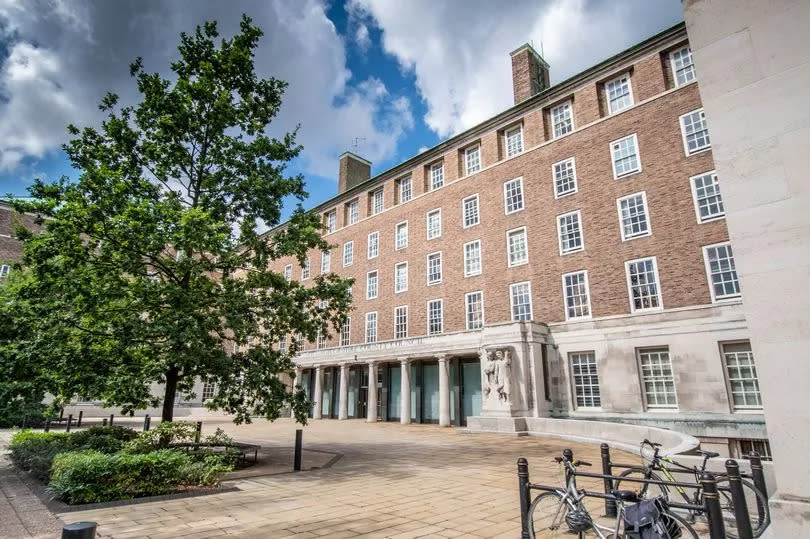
{"x":568,"y":257}
{"x":10,"y":246}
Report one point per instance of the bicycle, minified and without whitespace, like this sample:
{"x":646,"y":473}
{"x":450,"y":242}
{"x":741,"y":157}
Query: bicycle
{"x":560,"y":511}
{"x":756,"y":501}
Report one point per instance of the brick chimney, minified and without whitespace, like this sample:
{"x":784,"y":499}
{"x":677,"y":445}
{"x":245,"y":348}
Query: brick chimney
{"x":529,"y":73}
{"x":353,"y":171}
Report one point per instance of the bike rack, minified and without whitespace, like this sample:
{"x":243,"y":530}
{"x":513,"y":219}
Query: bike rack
{"x":708,"y":482}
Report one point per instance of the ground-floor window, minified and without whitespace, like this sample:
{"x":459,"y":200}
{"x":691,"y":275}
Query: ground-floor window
{"x":585,"y":379}
{"x":208,"y":391}
{"x":657,"y":378}
{"x":763,"y":447}
{"x":742,"y":376}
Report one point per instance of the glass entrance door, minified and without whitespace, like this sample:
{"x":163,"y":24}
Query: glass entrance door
{"x":362,"y":392}
{"x":394,"y":392}
{"x":470,"y":390}
{"x":430,"y":393}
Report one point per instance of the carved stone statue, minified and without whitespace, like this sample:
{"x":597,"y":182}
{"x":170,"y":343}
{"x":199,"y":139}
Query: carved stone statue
{"x":497,"y":364}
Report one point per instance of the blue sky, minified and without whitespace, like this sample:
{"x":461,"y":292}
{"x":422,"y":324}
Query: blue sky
{"x":401,"y":76}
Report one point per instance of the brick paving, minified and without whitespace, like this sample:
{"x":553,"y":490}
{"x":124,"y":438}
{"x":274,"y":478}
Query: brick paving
{"x":22,"y":514}
{"x":391,"y":481}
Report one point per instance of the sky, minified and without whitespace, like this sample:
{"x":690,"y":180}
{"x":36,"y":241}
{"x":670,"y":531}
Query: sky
{"x":385,"y":79}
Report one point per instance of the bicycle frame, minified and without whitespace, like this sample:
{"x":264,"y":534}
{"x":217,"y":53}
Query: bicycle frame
{"x":658,"y":466}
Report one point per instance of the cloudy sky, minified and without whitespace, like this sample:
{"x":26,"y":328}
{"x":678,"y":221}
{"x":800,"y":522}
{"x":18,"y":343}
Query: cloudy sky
{"x":393,"y":76}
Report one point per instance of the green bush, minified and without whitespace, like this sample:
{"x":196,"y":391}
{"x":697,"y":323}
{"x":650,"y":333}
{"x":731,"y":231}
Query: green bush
{"x":21,"y":413}
{"x":34,"y":451}
{"x":162,"y":436}
{"x":206,"y":471}
{"x":103,"y":439}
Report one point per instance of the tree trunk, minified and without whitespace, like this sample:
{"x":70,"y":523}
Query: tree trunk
{"x":171,"y":391}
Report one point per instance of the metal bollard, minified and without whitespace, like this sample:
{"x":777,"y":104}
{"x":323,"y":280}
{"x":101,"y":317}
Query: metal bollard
{"x":299,"y":433}
{"x":198,"y":433}
{"x":69,"y":421}
{"x":48,"y":425}
{"x":610,"y":502}
{"x":525,"y":496}
{"x":758,"y":475}
{"x":79,"y":421}
{"x":111,"y":419}
{"x":711,"y":503}
{"x":744,"y":530}
{"x":147,"y":421}
{"x":79,"y":530}
{"x":104,"y":422}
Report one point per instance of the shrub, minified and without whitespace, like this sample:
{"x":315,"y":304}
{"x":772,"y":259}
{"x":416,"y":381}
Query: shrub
{"x":21,"y":413}
{"x":34,"y":451}
{"x":103,"y":439}
{"x":205,"y":472}
{"x":162,"y":436}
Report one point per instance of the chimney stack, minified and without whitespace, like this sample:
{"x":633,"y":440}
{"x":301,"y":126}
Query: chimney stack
{"x":529,"y":73}
{"x":354,"y":170}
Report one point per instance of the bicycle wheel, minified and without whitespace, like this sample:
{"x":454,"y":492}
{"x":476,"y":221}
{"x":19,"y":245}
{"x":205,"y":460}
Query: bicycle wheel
{"x":687,"y":531}
{"x":547,"y":516}
{"x":644,"y":490}
{"x":757,"y":508}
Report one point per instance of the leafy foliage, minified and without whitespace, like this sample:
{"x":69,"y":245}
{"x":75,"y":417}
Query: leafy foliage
{"x":162,"y":436}
{"x":150,"y":264}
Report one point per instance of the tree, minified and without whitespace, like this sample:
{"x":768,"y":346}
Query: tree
{"x":151,"y":263}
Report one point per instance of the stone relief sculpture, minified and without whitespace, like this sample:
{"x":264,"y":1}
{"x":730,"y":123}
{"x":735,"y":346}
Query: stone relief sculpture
{"x":497,"y":365}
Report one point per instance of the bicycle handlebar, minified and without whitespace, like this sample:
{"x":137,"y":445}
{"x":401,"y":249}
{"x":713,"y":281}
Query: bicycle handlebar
{"x":654,"y":444}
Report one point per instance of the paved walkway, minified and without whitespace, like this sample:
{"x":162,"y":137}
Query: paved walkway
{"x":392,"y":481}
{"x":21,"y":513}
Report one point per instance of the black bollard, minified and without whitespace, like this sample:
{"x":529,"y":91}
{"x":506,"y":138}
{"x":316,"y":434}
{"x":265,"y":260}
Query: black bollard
{"x":69,"y":421}
{"x":79,"y":421}
{"x":104,"y":422}
{"x":198,"y":433}
{"x":711,"y":503}
{"x":79,"y":530}
{"x":111,"y":419}
{"x":299,"y":434}
{"x":758,"y":475}
{"x":48,"y":425}
{"x":610,"y":502}
{"x":146,"y":422}
{"x":525,"y":496}
{"x":744,"y":530}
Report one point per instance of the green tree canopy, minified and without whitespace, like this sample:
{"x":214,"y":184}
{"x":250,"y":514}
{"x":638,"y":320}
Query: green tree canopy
{"x":151,"y":262}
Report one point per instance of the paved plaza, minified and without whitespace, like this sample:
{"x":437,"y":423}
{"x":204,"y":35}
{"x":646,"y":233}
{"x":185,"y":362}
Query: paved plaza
{"x":390,"y":481}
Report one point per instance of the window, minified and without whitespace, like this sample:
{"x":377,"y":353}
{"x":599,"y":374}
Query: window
{"x":436,"y":175}
{"x":305,"y":270}
{"x":208,"y":391}
{"x":472,"y":258}
{"x":585,"y":380}
{"x":633,"y":220}
{"x":763,"y":447}
{"x":695,"y":132}
{"x":514,"y":141}
{"x":4,"y":271}
{"x":346,"y":332}
{"x":516,"y":246}
{"x":474,"y":302}
{"x":657,"y":378}
{"x":434,"y":268}
{"x":565,"y":177}
{"x":577,"y":296}
{"x":401,"y":277}
{"x":742,"y":376}
{"x":401,"y":322}
{"x":435,"y":317}
{"x":562,"y":121}
{"x":470,"y":214}
{"x":706,"y":194}
{"x":619,"y":93}
{"x":434,"y":224}
{"x":353,"y":211}
{"x":331,"y":221}
{"x":372,"y":282}
{"x":371,"y":327}
{"x":405,"y":190}
{"x":326,"y":262}
{"x":569,"y":228}
{"x":282,"y":345}
{"x":288,"y":272}
{"x":683,"y":70}
{"x":721,"y":271}
{"x":401,"y":240}
{"x":373,"y":245}
{"x":642,"y":281}
{"x":472,"y":160}
{"x":520,"y":298}
{"x":377,"y":201}
{"x":625,"y":156}
{"x":513,"y":195}
{"x":348,"y":253}
{"x":320,"y":341}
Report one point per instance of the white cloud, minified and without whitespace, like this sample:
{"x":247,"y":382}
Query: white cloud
{"x":460,"y":52}
{"x":361,"y":37}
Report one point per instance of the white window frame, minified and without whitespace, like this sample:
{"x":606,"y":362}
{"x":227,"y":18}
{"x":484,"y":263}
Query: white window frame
{"x":580,"y":356}
{"x":554,"y":178}
{"x":724,"y":297}
{"x":646,"y":216}
{"x":629,"y":88}
{"x":480,"y":259}
{"x":397,"y":290}
{"x":675,"y":71}
{"x":519,"y":145}
{"x":346,"y":332}
{"x":581,"y":247}
{"x":584,"y":273}
{"x":509,"y":233}
{"x":467,"y":152}
{"x":306,"y":269}
{"x":381,"y":192}
{"x":427,"y":224}
{"x":350,"y":252}
{"x":403,"y":182}
{"x":397,"y":245}
{"x":354,"y":211}
{"x":396,"y":321}
{"x":436,"y":176}
{"x":288,"y":272}
{"x":376,"y":289}
{"x":467,"y":311}
{"x":464,"y":211}
{"x":522,"y":207}
{"x":369,"y":317}
{"x":331,"y":221}
{"x":682,"y":123}
{"x":716,"y":184}
{"x":567,"y":103}
{"x":616,"y":175}
{"x":441,"y":319}
{"x":326,"y":261}
{"x":633,"y":309}
{"x":375,"y":242}
{"x":642,"y":379}
{"x":512,"y":299}
{"x":427,"y":268}
{"x":729,"y":380}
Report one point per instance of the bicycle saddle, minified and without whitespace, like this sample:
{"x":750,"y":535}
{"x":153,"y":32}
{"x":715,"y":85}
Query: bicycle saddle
{"x":626,"y":495}
{"x":708,"y":454}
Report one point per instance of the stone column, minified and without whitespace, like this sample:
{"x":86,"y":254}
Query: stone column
{"x":405,"y":391}
{"x":372,"y":393}
{"x":444,"y":391}
{"x":297,"y":381}
{"x":344,"y":391}
{"x":317,"y":398}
